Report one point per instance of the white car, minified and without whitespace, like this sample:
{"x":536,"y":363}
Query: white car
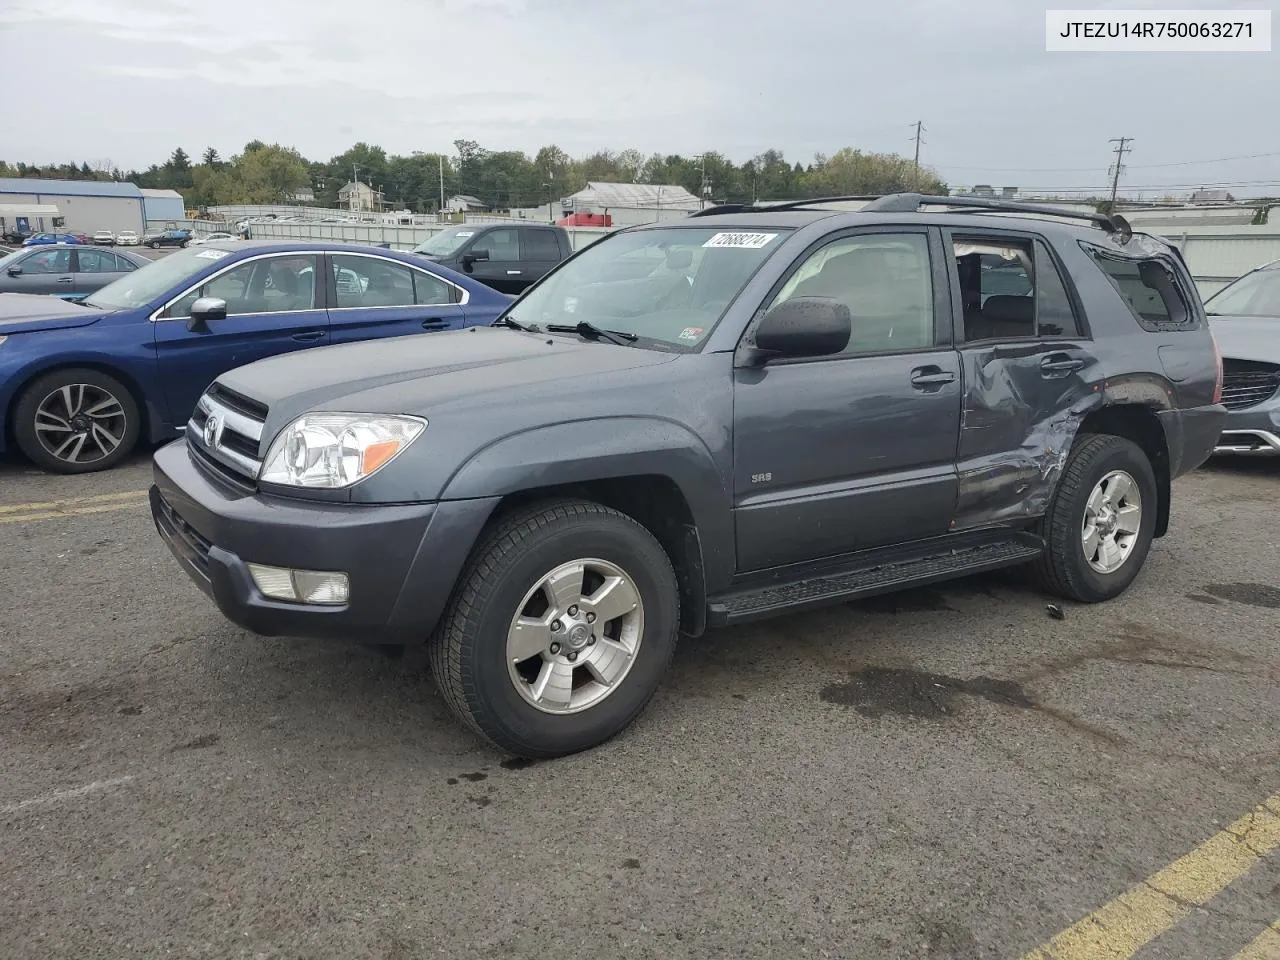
{"x":127,"y":238}
{"x":105,"y":238}
{"x":212,"y":238}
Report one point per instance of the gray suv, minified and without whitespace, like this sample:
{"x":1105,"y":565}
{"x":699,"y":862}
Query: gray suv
{"x":687,"y":425}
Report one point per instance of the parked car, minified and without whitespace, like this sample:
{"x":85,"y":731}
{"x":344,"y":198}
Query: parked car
{"x":735,"y":416}
{"x":1245,"y":316}
{"x":510,"y":257}
{"x":104,"y":238}
{"x":81,"y":384}
{"x":39,"y":239}
{"x":167,"y":238}
{"x":126,"y":238}
{"x":65,"y":270}
{"x":211,"y":238}
{"x":14,"y":235}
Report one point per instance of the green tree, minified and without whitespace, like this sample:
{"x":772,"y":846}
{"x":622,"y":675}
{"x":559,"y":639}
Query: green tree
{"x":210,"y":158}
{"x":269,"y":174}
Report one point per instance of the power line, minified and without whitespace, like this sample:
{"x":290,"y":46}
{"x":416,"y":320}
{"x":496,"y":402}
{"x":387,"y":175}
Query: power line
{"x":1132,"y":166}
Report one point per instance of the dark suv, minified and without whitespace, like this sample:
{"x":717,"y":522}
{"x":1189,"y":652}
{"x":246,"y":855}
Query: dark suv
{"x":694,"y":424}
{"x":509,"y":257}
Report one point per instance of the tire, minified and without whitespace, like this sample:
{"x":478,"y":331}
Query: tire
{"x":43,"y":404}
{"x":154,"y":245}
{"x":1064,"y":569}
{"x":468,"y":654}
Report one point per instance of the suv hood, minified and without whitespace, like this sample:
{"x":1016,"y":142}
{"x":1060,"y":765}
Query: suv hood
{"x":29,"y":312}
{"x":1248,"y":338}
{"x":422,"y":372}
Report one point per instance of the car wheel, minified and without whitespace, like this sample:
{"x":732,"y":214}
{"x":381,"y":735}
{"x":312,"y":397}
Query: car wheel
{"x":154,"y":245}
{"x":559,"y":631}
{"x":1100,"y":522}
{"x":76,"y":421}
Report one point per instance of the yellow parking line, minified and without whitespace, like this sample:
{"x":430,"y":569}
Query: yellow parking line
{"x":74,"y":506}
{"x":1122,"y":927}
{"x":70,"y":502}
{"x":1265,"y":947}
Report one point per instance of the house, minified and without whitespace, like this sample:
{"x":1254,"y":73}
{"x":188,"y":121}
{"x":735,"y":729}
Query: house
{"x":360,"y":196}
{"x":303,"y":195}
{"x":465,"y":203}
{"x":1212,"y":196}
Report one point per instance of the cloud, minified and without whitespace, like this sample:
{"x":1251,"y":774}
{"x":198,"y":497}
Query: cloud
{"x":735,"y":76}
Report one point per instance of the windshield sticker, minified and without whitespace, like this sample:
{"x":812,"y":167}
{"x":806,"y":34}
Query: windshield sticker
{"x":465,"y":233}
{"x":570,"y":304}
{"x":691,"y":333}
{"x":743,"y":241}
{"x":213,"y":254}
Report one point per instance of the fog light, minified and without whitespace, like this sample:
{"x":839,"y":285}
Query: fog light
{"x":300,"y":586}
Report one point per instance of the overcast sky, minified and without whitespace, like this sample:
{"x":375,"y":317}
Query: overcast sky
{"x":129,"y":80}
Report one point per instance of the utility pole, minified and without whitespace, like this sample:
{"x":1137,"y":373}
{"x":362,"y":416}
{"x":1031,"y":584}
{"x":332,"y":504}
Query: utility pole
{"x":916,"y":161}
{"x":1119,"y":166}
{"x":441,"y":159}
{"x":706,"y":185}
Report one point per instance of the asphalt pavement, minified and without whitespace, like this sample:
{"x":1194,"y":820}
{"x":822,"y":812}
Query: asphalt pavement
{"x":946,"y":773}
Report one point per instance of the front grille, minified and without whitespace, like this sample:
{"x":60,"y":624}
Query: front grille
{"x":192,"y":545}
{"x":1246,"y":383}
{"x":232,"y":450}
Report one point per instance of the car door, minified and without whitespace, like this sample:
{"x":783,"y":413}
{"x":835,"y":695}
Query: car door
{"x":502,"y":268}
{"x":539,"y":252}
{"x":46,"y":270}
{"x":275,"y":304}
{"x":374,"y":296}
{"x":844,"y":453}
{"x":94,"y":269}
{"x":1027,"y":359}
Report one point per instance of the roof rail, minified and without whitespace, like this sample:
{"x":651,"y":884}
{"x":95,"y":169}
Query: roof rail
{"x":776,"y":207}
{"x":912,"y":202}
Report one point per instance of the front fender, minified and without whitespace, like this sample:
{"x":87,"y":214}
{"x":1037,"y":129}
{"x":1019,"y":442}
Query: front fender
{"x":609,"y":448}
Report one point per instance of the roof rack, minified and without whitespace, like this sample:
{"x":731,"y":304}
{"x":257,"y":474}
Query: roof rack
{"x":912,"y":202}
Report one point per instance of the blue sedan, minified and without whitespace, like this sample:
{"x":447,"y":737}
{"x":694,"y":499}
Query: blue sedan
{"x":82,"y":383}
{"x":38,"y":239}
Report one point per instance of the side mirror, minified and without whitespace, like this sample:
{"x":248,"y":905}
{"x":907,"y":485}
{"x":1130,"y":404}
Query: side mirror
{"x":204,"y":310}
{"x":804,"y":327}
{"x":475,"y":256}
{"x":15,"y":271}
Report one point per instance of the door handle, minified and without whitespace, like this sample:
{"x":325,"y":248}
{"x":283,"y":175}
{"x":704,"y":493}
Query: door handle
{"x":66,"y":279}
{"x":931,"y":377}
{"x":512,"y":273}
{"x":1060,"y":363}
{"x":434,"y":323}
{"x":309,"y":337}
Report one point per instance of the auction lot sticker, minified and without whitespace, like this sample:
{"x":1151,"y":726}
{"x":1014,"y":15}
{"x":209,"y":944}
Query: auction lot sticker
{"x":744,"y":241}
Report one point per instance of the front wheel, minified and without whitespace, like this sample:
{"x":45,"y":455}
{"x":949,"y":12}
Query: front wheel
{"x":76,"y":420}
{"x":1101,"y":521}
{"x":560,"y":629}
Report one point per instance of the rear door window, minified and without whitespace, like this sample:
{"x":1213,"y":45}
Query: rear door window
{"x":541,"y":245}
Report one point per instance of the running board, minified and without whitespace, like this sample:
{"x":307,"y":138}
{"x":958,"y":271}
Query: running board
{"x":851,"y":583}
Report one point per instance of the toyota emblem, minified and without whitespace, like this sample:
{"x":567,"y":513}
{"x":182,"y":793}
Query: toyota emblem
{"x":212,"y":428}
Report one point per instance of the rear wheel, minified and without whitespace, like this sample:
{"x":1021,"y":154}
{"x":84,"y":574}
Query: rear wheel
{"x":76,"y":420}
{"x":560,"y":630}
{"x":1101,"y":521}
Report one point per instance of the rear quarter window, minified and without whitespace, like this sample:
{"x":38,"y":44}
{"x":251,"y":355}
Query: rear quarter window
{"x":1150,"y":288}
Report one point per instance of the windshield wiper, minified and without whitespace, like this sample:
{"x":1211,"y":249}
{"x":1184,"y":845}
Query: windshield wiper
{"x":515,"y":324}
{"x":585,"y":329}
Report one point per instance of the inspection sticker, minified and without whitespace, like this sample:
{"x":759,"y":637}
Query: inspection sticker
{"x":465,"y":233}
{"x":691,"y":333}
{"x":213,"y":254}
{"x":744,"y":241}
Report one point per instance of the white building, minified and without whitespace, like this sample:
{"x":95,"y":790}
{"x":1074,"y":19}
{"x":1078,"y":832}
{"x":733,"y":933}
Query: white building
{"x":360,"y":196}
{"x":86,"y":206}
{"x":632,"y":203}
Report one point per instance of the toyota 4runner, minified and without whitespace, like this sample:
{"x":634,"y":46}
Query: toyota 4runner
{"x":746,"y":413}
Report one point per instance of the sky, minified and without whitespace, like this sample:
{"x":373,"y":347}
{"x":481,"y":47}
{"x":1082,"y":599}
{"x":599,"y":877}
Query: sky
{"x":127,"y":81}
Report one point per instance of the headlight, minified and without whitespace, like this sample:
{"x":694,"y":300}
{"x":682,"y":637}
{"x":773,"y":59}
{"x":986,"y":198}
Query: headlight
{"x":332,"y":450}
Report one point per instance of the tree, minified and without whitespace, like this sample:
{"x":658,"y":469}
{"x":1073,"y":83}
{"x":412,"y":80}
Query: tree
{"x":210,"y":158}
{"x":270,"y":174}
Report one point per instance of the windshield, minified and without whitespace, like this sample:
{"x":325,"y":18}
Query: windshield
{"x":1255,"y":294}
{"x":146,"y":284}
{"x":447,"y":242}
{"x":669,"y":286}
{"x":10,"y":258}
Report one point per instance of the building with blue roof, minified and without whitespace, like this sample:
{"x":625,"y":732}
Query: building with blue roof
{"x":83,"y":206}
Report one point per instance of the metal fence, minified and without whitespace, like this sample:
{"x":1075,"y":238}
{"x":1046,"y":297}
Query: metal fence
{"x":399,"y":237}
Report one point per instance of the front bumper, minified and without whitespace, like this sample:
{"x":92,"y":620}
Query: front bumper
{"x":402,"y":559}
{"x":1254,"y":431}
